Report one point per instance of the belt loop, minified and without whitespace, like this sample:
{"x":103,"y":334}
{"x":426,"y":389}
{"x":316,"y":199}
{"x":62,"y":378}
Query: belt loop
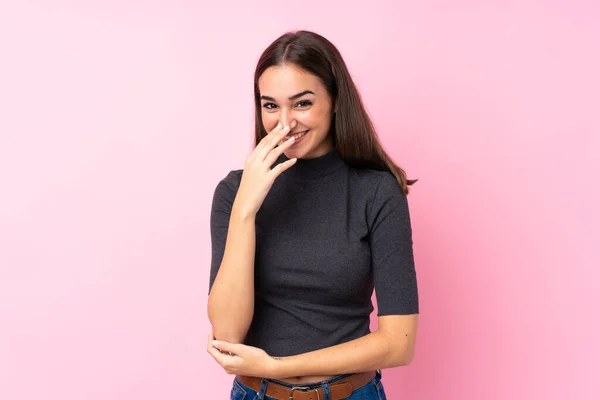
{"x":263,"y":389}
{"x":379,"y":373}
{"x":326,"y":391}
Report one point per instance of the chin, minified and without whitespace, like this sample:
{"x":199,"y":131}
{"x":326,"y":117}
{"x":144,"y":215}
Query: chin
{"x":298,"y":153}
{"x":294,"y":153}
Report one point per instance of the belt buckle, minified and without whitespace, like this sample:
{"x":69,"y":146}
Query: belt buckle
{"x":304,"y":389}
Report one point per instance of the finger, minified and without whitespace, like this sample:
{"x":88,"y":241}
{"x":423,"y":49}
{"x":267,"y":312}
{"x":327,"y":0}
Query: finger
{"x":274,"y":131}
{"x":217,"y":355}
{"x":277,"y":151}
{"x":224,"y":360}
{"x":292,"y":124}
{"x":279,"y":168}
{"x":277,"y":127}
{"x":271,"y":141}
{"x":227,"y":347}
{"x":264,"y":142}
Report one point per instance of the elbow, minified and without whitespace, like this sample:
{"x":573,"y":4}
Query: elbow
{"x":405,"y":359}
{"x":397,"y":352}
{"x":228,"y":335}
{"x":398,"y":359}
{"x":403,"y":356}
{"x":226,"y":330}
{"x":225,"y":327}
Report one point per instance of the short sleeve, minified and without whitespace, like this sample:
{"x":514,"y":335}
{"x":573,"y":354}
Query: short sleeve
{"x":390,"y":238}
{"x":222,"y":202}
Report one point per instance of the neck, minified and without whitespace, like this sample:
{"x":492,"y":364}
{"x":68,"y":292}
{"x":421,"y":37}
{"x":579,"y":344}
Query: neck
{"x":310,"y":168}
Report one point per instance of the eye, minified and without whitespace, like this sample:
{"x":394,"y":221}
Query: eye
{"x":269,"y":106}
{"x":304,"y":103}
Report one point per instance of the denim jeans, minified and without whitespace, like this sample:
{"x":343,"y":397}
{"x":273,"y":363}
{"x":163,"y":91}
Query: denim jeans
{"x":371,"y":391}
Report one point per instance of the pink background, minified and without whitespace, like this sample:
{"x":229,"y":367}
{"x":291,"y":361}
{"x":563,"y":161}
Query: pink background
{"x":117,"y":120}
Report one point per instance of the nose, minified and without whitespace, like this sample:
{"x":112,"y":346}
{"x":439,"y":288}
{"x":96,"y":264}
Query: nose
{"x":286,"y":119}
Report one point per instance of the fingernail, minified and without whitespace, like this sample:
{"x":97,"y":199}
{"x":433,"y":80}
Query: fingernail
{"x":278,"y":125}
{"x":215,"y":343}
{"x":287,"y":128}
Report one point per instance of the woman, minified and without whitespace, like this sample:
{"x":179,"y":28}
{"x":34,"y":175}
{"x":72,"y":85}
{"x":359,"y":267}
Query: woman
{"x":301,"y":236}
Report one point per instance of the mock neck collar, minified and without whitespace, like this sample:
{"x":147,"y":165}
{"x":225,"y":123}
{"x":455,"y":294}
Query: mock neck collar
{"x":311,"y":168}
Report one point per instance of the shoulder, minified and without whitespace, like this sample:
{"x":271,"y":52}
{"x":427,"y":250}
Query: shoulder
{"x":383,"y":195}
{"x":379,"y":184}
{"x":387,"y":206}
{"x":228,"y":186}
{"x":232,"y":179}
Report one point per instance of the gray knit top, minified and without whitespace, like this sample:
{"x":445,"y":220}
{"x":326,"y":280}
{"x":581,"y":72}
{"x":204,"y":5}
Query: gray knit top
{"x":327,"y":235}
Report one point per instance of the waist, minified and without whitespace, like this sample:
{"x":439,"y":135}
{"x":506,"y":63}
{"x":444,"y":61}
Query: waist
{"x":339,"y":387}
{"x":270,"y":331}
{"x":304,"y":380}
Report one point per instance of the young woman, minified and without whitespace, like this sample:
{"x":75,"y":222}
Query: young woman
{"x":317,"y":219}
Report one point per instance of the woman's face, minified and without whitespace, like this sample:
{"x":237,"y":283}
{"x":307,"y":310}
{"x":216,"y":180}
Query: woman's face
{"x":297,"y":98}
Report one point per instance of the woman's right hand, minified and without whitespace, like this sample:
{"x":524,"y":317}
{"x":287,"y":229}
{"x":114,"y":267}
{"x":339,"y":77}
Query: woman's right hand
{"x":258,"y":177}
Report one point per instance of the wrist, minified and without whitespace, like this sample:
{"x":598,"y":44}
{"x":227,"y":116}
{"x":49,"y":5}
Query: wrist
{"x":242,"y":213}
{"x":275,"y":369}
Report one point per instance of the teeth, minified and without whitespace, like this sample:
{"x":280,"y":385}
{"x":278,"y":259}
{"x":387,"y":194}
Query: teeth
{"x":297,"y":136}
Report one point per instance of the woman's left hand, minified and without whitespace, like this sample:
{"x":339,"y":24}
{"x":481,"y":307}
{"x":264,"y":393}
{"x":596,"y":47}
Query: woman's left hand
{"x":239,"y":359}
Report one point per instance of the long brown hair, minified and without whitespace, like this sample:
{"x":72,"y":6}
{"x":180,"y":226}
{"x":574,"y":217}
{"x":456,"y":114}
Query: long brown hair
{"x":351,"y":128}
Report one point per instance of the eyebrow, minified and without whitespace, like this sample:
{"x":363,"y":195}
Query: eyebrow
{"x":290,"y":98}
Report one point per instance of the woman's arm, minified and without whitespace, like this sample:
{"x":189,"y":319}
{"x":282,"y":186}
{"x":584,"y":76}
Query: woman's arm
{"x":390,"y":346}
{"x":236,"y":202}
{"x":231,"y":296}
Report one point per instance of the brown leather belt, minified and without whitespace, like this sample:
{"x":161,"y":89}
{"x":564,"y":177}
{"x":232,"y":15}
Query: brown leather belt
{"x":338,"y":390}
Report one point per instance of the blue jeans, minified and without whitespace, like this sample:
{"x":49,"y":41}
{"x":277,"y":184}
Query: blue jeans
{"x":371,"y":391}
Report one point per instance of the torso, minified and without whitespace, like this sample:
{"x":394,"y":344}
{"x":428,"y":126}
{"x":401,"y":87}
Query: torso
{"x":313,"y":266}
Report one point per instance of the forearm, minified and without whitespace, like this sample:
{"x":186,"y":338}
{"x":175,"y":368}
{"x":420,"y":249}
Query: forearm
{"x":371,"y":352}
{"x":231,"y":299}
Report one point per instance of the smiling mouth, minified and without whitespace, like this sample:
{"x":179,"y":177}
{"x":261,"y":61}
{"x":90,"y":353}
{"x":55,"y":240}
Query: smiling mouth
{"x":297,"y":135}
